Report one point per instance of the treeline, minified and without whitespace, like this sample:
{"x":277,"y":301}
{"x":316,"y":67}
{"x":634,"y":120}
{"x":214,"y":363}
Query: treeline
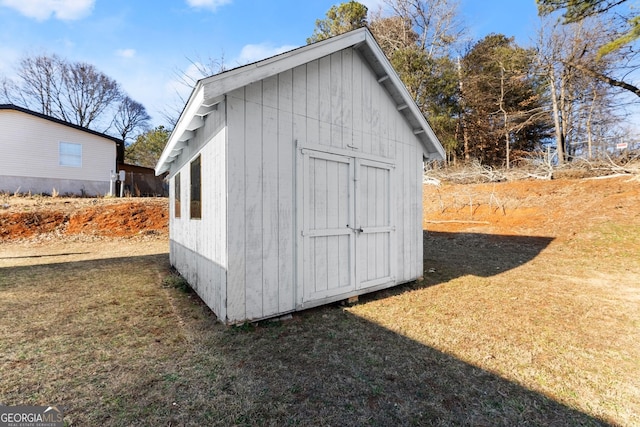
{"x":495,"y":101}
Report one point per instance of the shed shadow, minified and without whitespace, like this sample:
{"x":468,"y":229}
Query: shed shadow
{"x":53,"y":255}
{"x":478,"y":254}
{"x":451,"y":255}
{"x":330,"y":367}
{"x":333,"y":367}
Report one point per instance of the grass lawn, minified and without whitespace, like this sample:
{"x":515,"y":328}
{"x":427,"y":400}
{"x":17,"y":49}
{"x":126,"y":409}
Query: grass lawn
{"x":504,"y":330}
{"x":117,"y":341}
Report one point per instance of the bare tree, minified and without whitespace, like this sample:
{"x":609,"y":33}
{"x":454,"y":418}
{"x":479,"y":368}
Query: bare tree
{"x":75,"y":92}
{"x":564,"y":51}
{"x":436,"y":23}
{"x":41,"y":82}
{"x":131,"y":115}
{"x":88,"y":93}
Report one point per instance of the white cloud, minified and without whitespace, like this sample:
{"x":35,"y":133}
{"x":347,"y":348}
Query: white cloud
{"x":208,"y":4}
{"x":41,"y":10}
{"x":256,"y":52}
{"x":126,"y":53}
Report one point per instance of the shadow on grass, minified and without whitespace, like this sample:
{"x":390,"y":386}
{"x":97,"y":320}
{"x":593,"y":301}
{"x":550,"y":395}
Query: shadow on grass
{"x":326,"y":366}
{"x":484,"y":255}
{"x":329,"y":367}
{"x":44,"y":255}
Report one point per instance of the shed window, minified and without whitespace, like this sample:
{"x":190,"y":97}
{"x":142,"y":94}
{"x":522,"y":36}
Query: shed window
{"x":176,"y":196}
{"x":195,"y":206}
{"x":70,"y":154}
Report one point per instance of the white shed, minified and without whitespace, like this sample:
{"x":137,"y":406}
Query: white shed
{"x":297,"y":181}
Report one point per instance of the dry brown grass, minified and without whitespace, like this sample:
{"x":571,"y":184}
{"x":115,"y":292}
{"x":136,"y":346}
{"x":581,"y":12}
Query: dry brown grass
{"x":505,"y":330}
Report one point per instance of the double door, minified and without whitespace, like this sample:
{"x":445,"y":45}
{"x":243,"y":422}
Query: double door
{"x":347,"y":230}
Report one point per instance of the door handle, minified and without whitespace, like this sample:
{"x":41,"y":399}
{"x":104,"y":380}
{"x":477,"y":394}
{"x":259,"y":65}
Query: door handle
{"x":357,"y":230}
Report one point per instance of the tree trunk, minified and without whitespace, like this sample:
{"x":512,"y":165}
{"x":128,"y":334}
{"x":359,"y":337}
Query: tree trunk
{"x":463,"y":127}
{"x":504,"y":115}
{"x":556,"y":118}
{"x":588,"y":123}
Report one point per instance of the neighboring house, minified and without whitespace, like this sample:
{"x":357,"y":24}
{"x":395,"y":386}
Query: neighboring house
{"x":297,"y":181}
{"x":42,"y":154}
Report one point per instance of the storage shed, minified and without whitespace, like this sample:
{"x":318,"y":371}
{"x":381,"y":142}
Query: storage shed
{"x":297,"y":181}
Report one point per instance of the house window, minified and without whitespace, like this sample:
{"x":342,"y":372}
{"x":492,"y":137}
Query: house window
{"x":70,"y":154}
{"x":195,"y":206}
{"x":176,"y":196}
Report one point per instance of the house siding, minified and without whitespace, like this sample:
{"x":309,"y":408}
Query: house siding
{"x":31,"y":144}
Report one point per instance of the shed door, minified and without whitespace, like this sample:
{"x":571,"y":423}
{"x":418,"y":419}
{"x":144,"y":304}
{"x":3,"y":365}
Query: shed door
{"x":327,"y":233}
{"x":347,"y":225}
{"x":375,"y":236}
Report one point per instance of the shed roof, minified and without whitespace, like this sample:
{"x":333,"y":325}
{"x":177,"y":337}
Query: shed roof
{"x":14,"y":107}
{"x":210,"y":91}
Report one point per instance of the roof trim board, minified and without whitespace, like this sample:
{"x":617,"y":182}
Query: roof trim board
{"x":61,"y":122}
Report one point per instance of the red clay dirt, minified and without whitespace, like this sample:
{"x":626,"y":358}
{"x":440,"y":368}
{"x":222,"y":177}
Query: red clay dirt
{"x":26,"y":217}
{"x":557,"y":208}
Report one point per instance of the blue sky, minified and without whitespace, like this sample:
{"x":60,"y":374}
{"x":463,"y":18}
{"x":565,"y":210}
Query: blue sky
{"x":143,"y":44}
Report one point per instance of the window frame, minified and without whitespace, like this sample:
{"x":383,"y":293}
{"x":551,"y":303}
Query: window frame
{"x":195,"y":187}
{"x":177,"y":195}
{"x":70,"y":159}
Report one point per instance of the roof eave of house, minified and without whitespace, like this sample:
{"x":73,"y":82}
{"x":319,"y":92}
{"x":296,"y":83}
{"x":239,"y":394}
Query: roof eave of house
{"x":211,"y":90}
{"x":61,"y":122}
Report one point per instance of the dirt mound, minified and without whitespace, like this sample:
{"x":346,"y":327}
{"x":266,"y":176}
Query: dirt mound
{"x":557,"y":208}
{"x":119,"y":220}
{"x":26,"y":224}
{"x":27,"y":217}
{"x":544,"y":208}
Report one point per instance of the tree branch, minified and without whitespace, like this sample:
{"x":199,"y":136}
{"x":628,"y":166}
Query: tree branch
{"x":602,"y":77}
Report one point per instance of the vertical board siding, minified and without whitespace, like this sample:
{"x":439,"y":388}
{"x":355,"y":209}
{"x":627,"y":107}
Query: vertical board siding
{"x":357,"y":101}
{"x":270,"y":214}
{"x":419,"y":257}
{"x":325,"y":107}
{"x":346,"y":120}
{"x":346,"y":107}
{"x":335,"y":102}
{"x":253,"y":199}
{"x":312,"y":116}
{"x":236,"y":306}
{"x":199,"y":250}
{"x":337,"y":94}
{"x":286,"y":195}
{"x":264,"y":196}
